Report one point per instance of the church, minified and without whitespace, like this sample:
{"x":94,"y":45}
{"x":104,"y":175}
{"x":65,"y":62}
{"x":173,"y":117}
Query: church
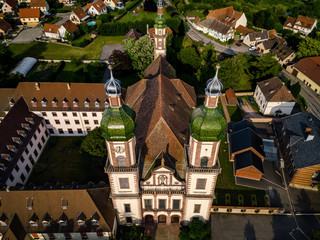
{"x":162,"y":149}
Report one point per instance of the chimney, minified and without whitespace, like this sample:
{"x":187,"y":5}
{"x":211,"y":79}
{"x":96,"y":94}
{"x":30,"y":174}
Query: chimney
{"x":308,"y":135}
{"x":68,"y":85}
{"x":37,"y":85}
{"x":308,"y":130}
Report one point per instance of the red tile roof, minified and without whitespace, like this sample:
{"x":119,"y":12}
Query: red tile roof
{"x":29,"y":13}
{"x":310,"y":66}
{"x":38,"y":3}
{"x":4,"y":26}
{"x":70,"y":26}
{"x":225,"y":15}
{"x":80,"y":12}
{"x":51,"y":28}
{"x":99,"y":5}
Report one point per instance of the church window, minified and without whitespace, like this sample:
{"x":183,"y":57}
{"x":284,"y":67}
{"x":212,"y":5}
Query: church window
{"x":148,"y":203}
{"x":127,"y":208}
{"x":197,"y":208}
{"x":124,"y":183}
{"x":162,"y":204}
{"x":204,"y":162}
{"x":201,"y":183}
{"x":176,"y":204}
{"x":121,"y":161}
{"x":160,"y":43}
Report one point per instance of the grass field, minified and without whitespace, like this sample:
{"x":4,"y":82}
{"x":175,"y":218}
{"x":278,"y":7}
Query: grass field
{"x":142,"y":15}
{"x":57,"y":51}
{"x":61,"y":161}
{"x":234,"y":113}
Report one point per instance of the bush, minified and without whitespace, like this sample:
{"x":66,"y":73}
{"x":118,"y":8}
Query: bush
{"x":82,"y":43}
{"x":302,"y":102}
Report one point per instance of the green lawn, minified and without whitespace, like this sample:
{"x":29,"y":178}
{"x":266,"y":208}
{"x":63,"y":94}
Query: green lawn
{"x":57,"y":51}
{"x":254,"y":105}
{"x":234,"y":113}
{"x":61,"y":161}
{"x":142,"y":15}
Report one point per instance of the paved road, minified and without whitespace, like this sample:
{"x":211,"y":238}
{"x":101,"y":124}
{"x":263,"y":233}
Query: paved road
{"x":28,"y":35}
{"x":312,"y":99}
{"x":64,"y":17}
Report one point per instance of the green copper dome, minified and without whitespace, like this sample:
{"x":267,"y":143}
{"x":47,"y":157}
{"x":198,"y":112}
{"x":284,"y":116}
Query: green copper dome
{"x":160,"y":22}
{"x":207,"y":124}
{"x":118,"y":123}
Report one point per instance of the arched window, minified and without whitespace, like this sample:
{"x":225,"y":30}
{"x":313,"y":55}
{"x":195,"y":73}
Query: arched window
{"x":121,"y":161}
{"x":204,"y":162}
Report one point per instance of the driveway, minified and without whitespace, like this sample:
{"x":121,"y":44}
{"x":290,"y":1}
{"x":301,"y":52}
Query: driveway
{"x":249,"y":112}
{"x":28,"y":35}
{"x":108,"y":49}
{"x":64,"y":17}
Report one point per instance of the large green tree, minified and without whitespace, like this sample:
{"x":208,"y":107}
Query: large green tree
{"x":141,"y":52}
{"x":197,"y":230}
{"x":94,"y":144}
{"x":308,"y":47}
{"x":120,"y":61}
{"x":190,"y":57}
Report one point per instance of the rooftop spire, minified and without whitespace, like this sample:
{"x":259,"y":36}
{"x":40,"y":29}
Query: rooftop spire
{"x":112,"y":86}
{"x":214,"y":85}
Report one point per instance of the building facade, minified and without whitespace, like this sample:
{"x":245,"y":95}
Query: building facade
{"x":301,"y":24}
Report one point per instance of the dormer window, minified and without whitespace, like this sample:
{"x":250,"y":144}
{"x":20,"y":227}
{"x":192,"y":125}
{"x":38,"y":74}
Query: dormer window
{"x":81,"y":219}
{"x":29,"y":203}
{"x":12,"y":148}
{"x":22,"y":133}
{"x":25,"y":126}
{"x":46,"y":220}
{"x":46,"y":223}
{"x":34,"y":220}
{"x":65,"y":102}
{"x":86,"y":103}
{"x":3,"y":167}
{"x":63,"y":219}
{"x":54,"y":102}
{"x":34,"y":102}
{"x":29,"y":120}
{"x":75,"y":102}
{"x":12,"y":102}
{"x":97,"y":103}
{"x":44,"y":102}
{"x":3,"y":220}
{"x":95,"y":219}
{"x":17,"y":140}
{"x":64,"y":203}
{"x":106,"y":103}
{"x":6,"y":157}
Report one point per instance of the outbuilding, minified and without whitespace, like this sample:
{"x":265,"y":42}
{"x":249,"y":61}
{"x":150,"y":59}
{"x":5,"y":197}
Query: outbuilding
{"x":24,"y":66}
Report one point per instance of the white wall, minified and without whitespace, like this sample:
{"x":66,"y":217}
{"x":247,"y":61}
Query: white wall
{"x":204,"y":208}
{"x":135,"y":207}
{"x":241,"y":21}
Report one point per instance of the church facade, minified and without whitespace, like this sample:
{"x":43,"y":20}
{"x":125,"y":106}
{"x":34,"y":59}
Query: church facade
{"x":162,"y":150}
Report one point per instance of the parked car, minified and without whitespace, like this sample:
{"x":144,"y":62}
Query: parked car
{"x":252,"y":48}
{"x":238,"y":44}
{"x":251,"y":99}
{"x":240,"y":101}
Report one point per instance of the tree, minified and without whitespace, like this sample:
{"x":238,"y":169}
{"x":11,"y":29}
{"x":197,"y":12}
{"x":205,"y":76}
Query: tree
{"x":197,"y":230}
{"x":68,"y":36}
{"x":141,"y":52}
{"x":181,"y":7}
{"x":94,"y":144}
{"x":120,"y":61}
{"x":190,"y":56}
{"x":308,"y":47}
{"x":295,"y":89}
{"x":5,"y":65}
{"x":150,"y":6}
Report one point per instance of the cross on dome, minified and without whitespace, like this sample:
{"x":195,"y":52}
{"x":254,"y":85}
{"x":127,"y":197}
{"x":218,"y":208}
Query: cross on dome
{"x":112,"y":86}
{"x":214,"y":85}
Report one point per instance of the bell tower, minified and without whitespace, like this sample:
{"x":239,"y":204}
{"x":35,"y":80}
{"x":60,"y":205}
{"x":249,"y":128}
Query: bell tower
{"x":160,"y":34}
{"x":206,"y":131}
{"x":118,"y":131}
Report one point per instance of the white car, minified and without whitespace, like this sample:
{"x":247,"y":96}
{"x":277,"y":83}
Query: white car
{"x":252,"y":48}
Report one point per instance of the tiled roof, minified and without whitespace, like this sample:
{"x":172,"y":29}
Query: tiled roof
{"x":8,"y":128}
{"x":310,"y":66}
{"x":11,"y":3}
{"x":38,"y":3}
{"x":282,"y":51}
{"x":152,"y":31}
{"x":290,"y":22}
{"x":80,"y":12}
{"x":4,"y":26}
{"x":70,"y":26}
{"x":244,"y":30}
{"x":219,"y":27}
{"x":160,"y":66}
{"x":134,"y":34}
{"x":274,"y":90}
{"x":51,"y":28}
{"x":5,"y":96}
{"x":163,"y":107}
{"x":49,"y":91}
{"x":225,"y":15}
{"x":230,"y":94}
{"x":305,"y":22}
{"x":29,"y":13}
{"x":93,"y":203}
{"x":257,"y":36}
{"x":99,"y":5}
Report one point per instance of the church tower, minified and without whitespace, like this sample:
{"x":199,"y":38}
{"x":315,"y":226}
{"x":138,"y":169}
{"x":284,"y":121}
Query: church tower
{"x":160,"y":34}
{"x":206,"y":131}
{"x":118,"y":130}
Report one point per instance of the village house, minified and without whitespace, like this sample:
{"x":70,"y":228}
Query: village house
{"x":113,"y":4}
{"x":4,"y":27}
{"x":9,"y":6}
{"x":51,"y":31}
{"x":78,"y":16}
{"x":243,"y":31}
{"x":228,"y":16}
{"x":298,"y":136}
{"x":41,"y":4}
{"x":307,"y":70}
{"x":301,"y":24}
{"x":29,"y":16}
{"x":284,"y":54}
{"x":266,"y":46}
{"x":231,"y":97}
{"x":69,"y":27}
{"x":23,"y":137}
{"x":273,"y":97}
{"x":134,"y":34}
{"x":251,"y":39}
{"x":66,"y":1}
{"x":96,"y":8}
{"x":24,"y":1}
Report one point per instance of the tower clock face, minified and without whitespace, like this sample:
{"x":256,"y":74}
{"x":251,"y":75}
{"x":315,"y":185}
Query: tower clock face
{"x":119,"y":149}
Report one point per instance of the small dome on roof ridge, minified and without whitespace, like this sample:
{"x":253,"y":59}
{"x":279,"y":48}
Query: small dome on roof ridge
{"x":214,"y":85}
{"x":112,"y":86}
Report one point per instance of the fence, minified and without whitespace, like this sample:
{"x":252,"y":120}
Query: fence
{"x":247,"y":210}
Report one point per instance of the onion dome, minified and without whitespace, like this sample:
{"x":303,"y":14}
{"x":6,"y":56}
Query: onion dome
{"x":207,"y":124}
{"x":118,"y":123}
{"x":160,"y":3}
{"x":112,"y":86}
{"x":214,"y":85}
{"x":160,"y":21}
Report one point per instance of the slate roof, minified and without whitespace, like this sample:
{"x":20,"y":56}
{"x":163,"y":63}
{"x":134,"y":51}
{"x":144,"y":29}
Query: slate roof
{"x":134,"y":34}
{"x":29,"y":13}
{"x":80,"y":13}
{"x":163,"y":107}
{"x":310,"y":66}
{"x":248,"y":159}
{"x":70,"y":26}
{"x":304,"y":153}
{"x":8,"y":129}
{"x":237,"y":126}
{"x":4,"y":26}
{"x":258,"y":36}
{"x":270,"y":43}
{"x":160,"y":66}
{"x":282,"y":51}
{"x":225,"y":15}
{"x":219,"y":27}
{"x":244,"y":139}
{"x":46,"y":204}
{"x":274,"y":90}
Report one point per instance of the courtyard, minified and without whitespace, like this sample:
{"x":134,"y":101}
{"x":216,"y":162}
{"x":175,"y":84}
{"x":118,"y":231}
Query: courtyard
{"x":61,"y":161}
